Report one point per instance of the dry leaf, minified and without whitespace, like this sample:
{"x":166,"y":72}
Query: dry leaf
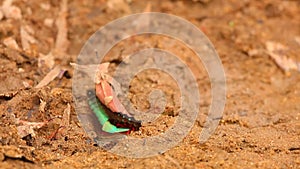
{"x":11,"y":43}
{"x":11,"y":11}
{"x":278,"y":52}
{"x":46,"y":60}
{"x":62,"y":42}
{"x":49,"y":77}
{"x":26,"y":38}
{"x":95,"y":72}
{"x":28,"y":127}
{"x":66,"y":116}
{"x":42,"y":106}
{"x":26,"y":84}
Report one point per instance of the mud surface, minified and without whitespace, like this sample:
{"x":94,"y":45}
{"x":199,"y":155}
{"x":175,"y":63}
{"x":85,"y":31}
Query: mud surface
{"x":260,"y":127}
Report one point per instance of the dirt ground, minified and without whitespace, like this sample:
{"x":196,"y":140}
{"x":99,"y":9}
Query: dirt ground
{"x":260,"y":127}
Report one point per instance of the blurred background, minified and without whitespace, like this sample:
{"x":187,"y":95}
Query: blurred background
{"x":258,"y":43}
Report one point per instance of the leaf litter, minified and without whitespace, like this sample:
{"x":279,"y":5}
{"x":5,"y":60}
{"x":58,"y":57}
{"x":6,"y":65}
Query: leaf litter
{"x":277,"y":51}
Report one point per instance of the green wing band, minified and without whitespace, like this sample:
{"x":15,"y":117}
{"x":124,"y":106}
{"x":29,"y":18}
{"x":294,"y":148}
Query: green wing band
{"x":99,"y":112}
{"x":108,"y":127}
{"x":103,"y":118}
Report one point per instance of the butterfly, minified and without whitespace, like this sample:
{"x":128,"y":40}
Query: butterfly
{"x":112,"y":122}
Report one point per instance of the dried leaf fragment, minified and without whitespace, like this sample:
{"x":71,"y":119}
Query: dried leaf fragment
{"x":62,"y":42}
{"x":28,"y":127}
{"x":95,"y":72}
{"x":66,"y":116}
{"x":42,"y":106}
{"x":49,"y":77}
{"x":10,"y":11}
{"x":278,"y":52}
{"x":46,"y":60}
{"x":26,"y":37}
{"x":11,"y":43}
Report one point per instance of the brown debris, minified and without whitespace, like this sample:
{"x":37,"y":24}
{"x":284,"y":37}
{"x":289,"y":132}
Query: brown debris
{"x":95,"y":72}
{"x":46,"y":60}
{"x":10,"y":86}
{"x":42,"y":106}
{"x":10,"y":11}
{"x":11,"y":151}
{"x":66,"y":116}
{"x":49,"y":77}
{"x":27,"y":127}
{"x":277,"y":52}
{"x":56,"y":133}
{"x":62,"y":42}
{"x":8,"y":94}
{"x":11,"y":43}
{"x":26,"y":37}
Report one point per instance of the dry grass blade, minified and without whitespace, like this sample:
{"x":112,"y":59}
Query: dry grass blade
{"x":62,"y":42}
{"x":49,"y":77}
{"x":66,"y":116}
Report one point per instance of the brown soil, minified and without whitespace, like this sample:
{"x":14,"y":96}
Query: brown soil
{"x":260,"y":126}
